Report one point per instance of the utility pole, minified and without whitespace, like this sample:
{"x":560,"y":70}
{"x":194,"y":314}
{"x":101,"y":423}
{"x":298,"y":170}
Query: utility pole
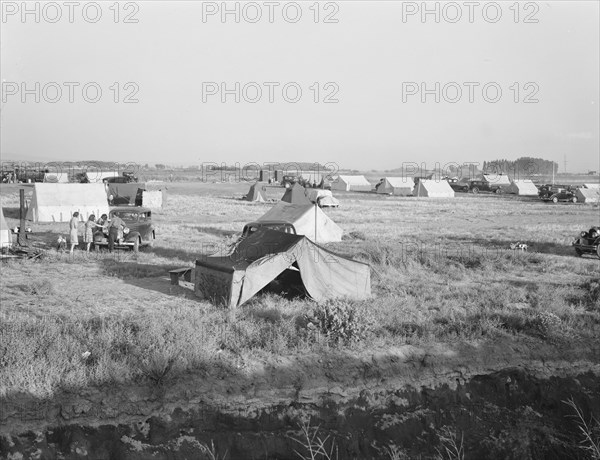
{"x":565,"y":164}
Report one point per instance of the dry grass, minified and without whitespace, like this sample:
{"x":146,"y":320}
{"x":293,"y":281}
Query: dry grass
{"x":442,"y":273}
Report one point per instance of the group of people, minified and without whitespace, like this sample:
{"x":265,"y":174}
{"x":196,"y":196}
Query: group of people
{"x":114,"y":227}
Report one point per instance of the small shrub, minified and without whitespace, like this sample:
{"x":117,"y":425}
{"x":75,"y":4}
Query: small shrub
{"x":339,"y":321}
{"x":544,"y":322}
{"x":41,"y":287}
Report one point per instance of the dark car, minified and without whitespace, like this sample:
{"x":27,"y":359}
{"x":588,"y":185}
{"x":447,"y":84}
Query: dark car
{"x":588,"y":242}
{"x":280,"y":226}
{"x":139,"y":229}
{"x":556,"y":193}
{"x":476,"y":186}
{"x":458,"y":186}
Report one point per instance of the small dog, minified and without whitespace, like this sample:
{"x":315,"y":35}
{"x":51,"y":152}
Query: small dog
{"x":519,"y":247}
{"x":61,"y":243}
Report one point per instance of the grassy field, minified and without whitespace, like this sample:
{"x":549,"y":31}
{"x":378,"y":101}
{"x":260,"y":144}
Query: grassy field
{"x":443,"y":279}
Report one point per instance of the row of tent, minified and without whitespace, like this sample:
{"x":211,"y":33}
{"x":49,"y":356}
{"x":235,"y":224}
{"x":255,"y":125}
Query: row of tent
{"x":296,"y":194}
{"x":93,"y":177}
{"x":56,"y":202}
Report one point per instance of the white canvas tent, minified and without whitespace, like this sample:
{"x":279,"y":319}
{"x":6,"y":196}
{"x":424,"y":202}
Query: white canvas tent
{"x":497,"y":179}
{"x":588,"y":195}
{"x":351,"y":183}
{"x":58,"y":202}
{"x":56,"y":178}
{"x":308,"y":220}
{"x":395,"y":186}
{"x":592,"y":186}
{"x":433,"y":189}
{"x":5,"y":233}
{"x":523,"y":187}
{"x":96,"y":177}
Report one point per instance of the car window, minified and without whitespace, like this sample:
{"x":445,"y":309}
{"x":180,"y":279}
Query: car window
{"x":144,"y":216}
{"x":127,"y":215}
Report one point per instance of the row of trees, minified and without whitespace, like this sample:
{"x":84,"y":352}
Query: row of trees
{"x":522,"y":167}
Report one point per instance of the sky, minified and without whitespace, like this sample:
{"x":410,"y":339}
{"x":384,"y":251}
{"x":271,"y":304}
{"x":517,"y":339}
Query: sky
{"x":364,"y":85}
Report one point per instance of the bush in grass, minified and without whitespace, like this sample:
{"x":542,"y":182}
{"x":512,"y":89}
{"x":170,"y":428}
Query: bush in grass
{"x":41,"y":287}
{"x":340,"y":321}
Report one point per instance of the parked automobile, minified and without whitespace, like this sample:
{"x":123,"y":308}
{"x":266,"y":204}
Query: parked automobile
{"x":278,"y":225}
{"x":458,"y":186}
{"x":588,"y":242}
{"x":556,"y":193}
{"x":476,"y":186}
{"x":139,"y":229}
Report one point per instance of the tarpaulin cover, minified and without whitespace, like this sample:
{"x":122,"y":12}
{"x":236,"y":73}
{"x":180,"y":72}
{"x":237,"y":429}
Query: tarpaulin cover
{"x":257,"y":260}
{"x":126,"y":194}
{"x":296,"y":194}
{"x":308,"y":220}
{"x":257,"y":192}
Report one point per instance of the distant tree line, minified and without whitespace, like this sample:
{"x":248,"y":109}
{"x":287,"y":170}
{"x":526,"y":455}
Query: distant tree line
{"x":521,"y":167}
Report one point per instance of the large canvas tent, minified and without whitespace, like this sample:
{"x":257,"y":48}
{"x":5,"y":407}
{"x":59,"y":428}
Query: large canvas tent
{"x":257,"y":192}
{"x":433,"y":189}
{"x":308,"y":220}
{"x":262,"y":257}
{"x":588,"y":195}
{"x":296,"y":194}
{"x":323,"y":198}
{"x":351,"y":183}
{"x":58,"y":202}
{"x":522,"y":187}
{"x":394,"y":186}
{"x":592,"y":186}
{"x":125,"y":194}
{"x":5,"y":233}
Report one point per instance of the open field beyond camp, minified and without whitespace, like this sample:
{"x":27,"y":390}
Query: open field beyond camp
{"x":105,"y":337}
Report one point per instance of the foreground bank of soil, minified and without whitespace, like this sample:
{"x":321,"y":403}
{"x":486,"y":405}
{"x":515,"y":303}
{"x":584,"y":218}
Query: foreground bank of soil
{"x":498,"y":400}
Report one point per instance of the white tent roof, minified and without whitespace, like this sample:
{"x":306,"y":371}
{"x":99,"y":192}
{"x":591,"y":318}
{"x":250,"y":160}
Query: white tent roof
{"x":308,"y":220}
{"x":58,"y":202}
{"x":399,"y":181}
{"x":355,"y":180}
{"x":497,"y":179}
{"x":433,"y":189}
{"x":523,"y":187}
{"x":351,"y":183}
{"x":588,"y":195}
{"x":594,"y":185}
{"x":5,"y":234}
{"x":395,"y":184}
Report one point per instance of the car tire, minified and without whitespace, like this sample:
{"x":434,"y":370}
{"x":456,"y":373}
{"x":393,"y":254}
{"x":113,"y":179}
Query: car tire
{"x":555,"y":200}
{"x":574,"y":199}
{"x":499,"y":191}
{"x":579,"y":252}
{"x":136,"y":245}
{"x":475,"y":190}
{"x":598,"y":251}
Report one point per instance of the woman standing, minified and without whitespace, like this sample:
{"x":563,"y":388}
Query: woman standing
{"x":73,"y":236}
{"x":88,"y":235}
